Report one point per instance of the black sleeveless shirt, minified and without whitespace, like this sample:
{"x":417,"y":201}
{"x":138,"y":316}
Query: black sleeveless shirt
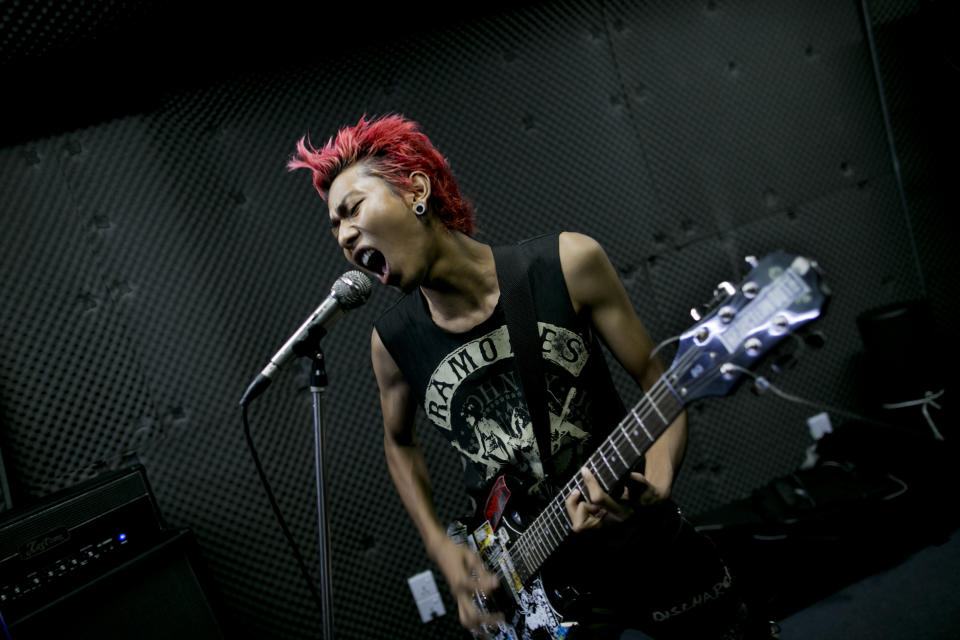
{"x":469,"y":387}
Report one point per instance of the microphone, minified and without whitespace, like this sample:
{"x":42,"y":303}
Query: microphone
{"x":349,"y":292}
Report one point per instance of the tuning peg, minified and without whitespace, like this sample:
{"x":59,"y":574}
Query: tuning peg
{"x":824,"y":287}
{"x":723,"y":291}
{"x":752,"y":261}
{"x":724,"y":288}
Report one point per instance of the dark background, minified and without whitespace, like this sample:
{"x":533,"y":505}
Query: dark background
{"x":155,"y":251}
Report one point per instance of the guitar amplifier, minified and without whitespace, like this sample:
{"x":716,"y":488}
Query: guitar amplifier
{"x":72,"y":537}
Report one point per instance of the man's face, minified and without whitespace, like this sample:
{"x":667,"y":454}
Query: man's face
{"x":376,"y":227}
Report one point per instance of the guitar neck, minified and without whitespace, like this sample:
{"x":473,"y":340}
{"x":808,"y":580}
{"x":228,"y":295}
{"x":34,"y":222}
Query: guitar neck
{"x":611,"y":462}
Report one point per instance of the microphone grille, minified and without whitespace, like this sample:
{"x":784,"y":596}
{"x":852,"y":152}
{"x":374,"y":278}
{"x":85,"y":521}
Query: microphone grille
{"x":352,"y":289}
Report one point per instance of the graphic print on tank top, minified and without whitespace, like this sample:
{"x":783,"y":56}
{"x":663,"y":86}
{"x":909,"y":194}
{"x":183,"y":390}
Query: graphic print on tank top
{"x":475,"y":397}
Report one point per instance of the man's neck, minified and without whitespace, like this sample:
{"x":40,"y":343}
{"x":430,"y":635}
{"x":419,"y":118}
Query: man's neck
{"x":461,"y":288}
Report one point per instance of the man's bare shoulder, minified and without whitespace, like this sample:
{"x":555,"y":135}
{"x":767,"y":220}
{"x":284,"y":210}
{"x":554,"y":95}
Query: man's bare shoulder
{"x":586,"y":269}
{"x":579,"y":249}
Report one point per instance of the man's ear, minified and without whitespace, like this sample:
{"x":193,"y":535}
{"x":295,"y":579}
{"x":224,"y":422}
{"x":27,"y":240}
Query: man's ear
{"x":421,"y":187}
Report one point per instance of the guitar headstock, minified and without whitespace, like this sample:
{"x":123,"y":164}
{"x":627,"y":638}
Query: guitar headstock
{"x":781,"y":293}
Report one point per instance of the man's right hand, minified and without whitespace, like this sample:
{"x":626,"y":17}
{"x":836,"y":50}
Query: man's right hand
{"x":467,"y":578}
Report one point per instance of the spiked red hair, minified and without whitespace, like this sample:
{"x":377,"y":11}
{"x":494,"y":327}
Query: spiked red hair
{"x":392,"y":147}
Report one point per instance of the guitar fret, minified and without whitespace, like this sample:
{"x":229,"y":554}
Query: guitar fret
{"x":566,"y":516}
{"x":542,"y":554}
{"x":607,"y":462}
{"x":627,"y":436}
{"x":545,"y":535}
{"x":657,"y":409}
{"x":558,"y":533}
{"x":560,"y":518}
{"x":551,"y":527}
{"x":530,"y":551}
{"x":549,"y":533}
{"x":540,"y":550}
{"x":616,"y":450}
{"x":524,"y":571}
{"x":536,"y":540}
{"x":564,"y":519}
{"x":578,"y":481}
{"x":640,"y":422}
{"x":544,"y":543}
{"x":528,"y":561}
{"x":597,"y":475}
{"x":673,"y":393}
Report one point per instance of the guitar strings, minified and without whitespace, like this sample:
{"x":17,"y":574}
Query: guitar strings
{"x":661,"y":389}
{"x":555,"y":514}
{"x":544,"y":527}
{"x":542,"y":537}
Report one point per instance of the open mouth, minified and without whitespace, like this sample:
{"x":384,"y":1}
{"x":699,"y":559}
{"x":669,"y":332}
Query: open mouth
{"x":373,"y":261}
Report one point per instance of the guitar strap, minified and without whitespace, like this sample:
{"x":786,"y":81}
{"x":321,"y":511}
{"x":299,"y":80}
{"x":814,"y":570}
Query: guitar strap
{"x":516,"y":296}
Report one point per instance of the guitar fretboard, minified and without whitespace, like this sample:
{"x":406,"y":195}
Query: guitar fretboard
{"x":615,"y":457}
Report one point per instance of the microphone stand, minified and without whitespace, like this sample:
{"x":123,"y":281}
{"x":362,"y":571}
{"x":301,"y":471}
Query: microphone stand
{"x":309,"y":346}
{"x":351,"y":290}
{"x":318,"y":384}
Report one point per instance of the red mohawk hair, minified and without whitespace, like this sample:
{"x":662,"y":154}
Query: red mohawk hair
{"x":392,"y":147}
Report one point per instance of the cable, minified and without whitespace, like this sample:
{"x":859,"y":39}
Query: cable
{"x":761,"y":384}
{"x":661,"y":346}
{"x":276,"y":511}
{"x":924,"y":403}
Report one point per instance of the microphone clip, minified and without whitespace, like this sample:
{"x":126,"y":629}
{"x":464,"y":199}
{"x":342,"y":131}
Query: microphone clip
{"x":308,"y":345}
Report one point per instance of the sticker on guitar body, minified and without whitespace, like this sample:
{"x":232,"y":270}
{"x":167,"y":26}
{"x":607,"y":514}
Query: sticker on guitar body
{"x":533,"y":610}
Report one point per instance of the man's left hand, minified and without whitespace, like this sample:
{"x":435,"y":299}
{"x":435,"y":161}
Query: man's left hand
{"x":641,"y":491}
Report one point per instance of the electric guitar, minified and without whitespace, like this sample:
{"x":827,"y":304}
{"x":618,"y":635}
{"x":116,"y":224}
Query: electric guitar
{"x":781,"y":293}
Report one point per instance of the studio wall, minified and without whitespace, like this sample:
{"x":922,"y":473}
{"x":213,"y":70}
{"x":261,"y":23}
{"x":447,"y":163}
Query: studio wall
{"x":156,"y":251}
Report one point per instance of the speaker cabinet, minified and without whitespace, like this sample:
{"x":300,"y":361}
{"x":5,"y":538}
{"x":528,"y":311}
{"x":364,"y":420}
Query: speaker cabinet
{"x":97,"y":561}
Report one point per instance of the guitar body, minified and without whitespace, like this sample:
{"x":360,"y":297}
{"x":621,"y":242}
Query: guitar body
{"x":542,"y":606}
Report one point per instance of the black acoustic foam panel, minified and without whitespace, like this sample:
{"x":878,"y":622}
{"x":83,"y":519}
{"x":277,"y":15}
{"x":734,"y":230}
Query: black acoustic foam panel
{"x":156,"y":259}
